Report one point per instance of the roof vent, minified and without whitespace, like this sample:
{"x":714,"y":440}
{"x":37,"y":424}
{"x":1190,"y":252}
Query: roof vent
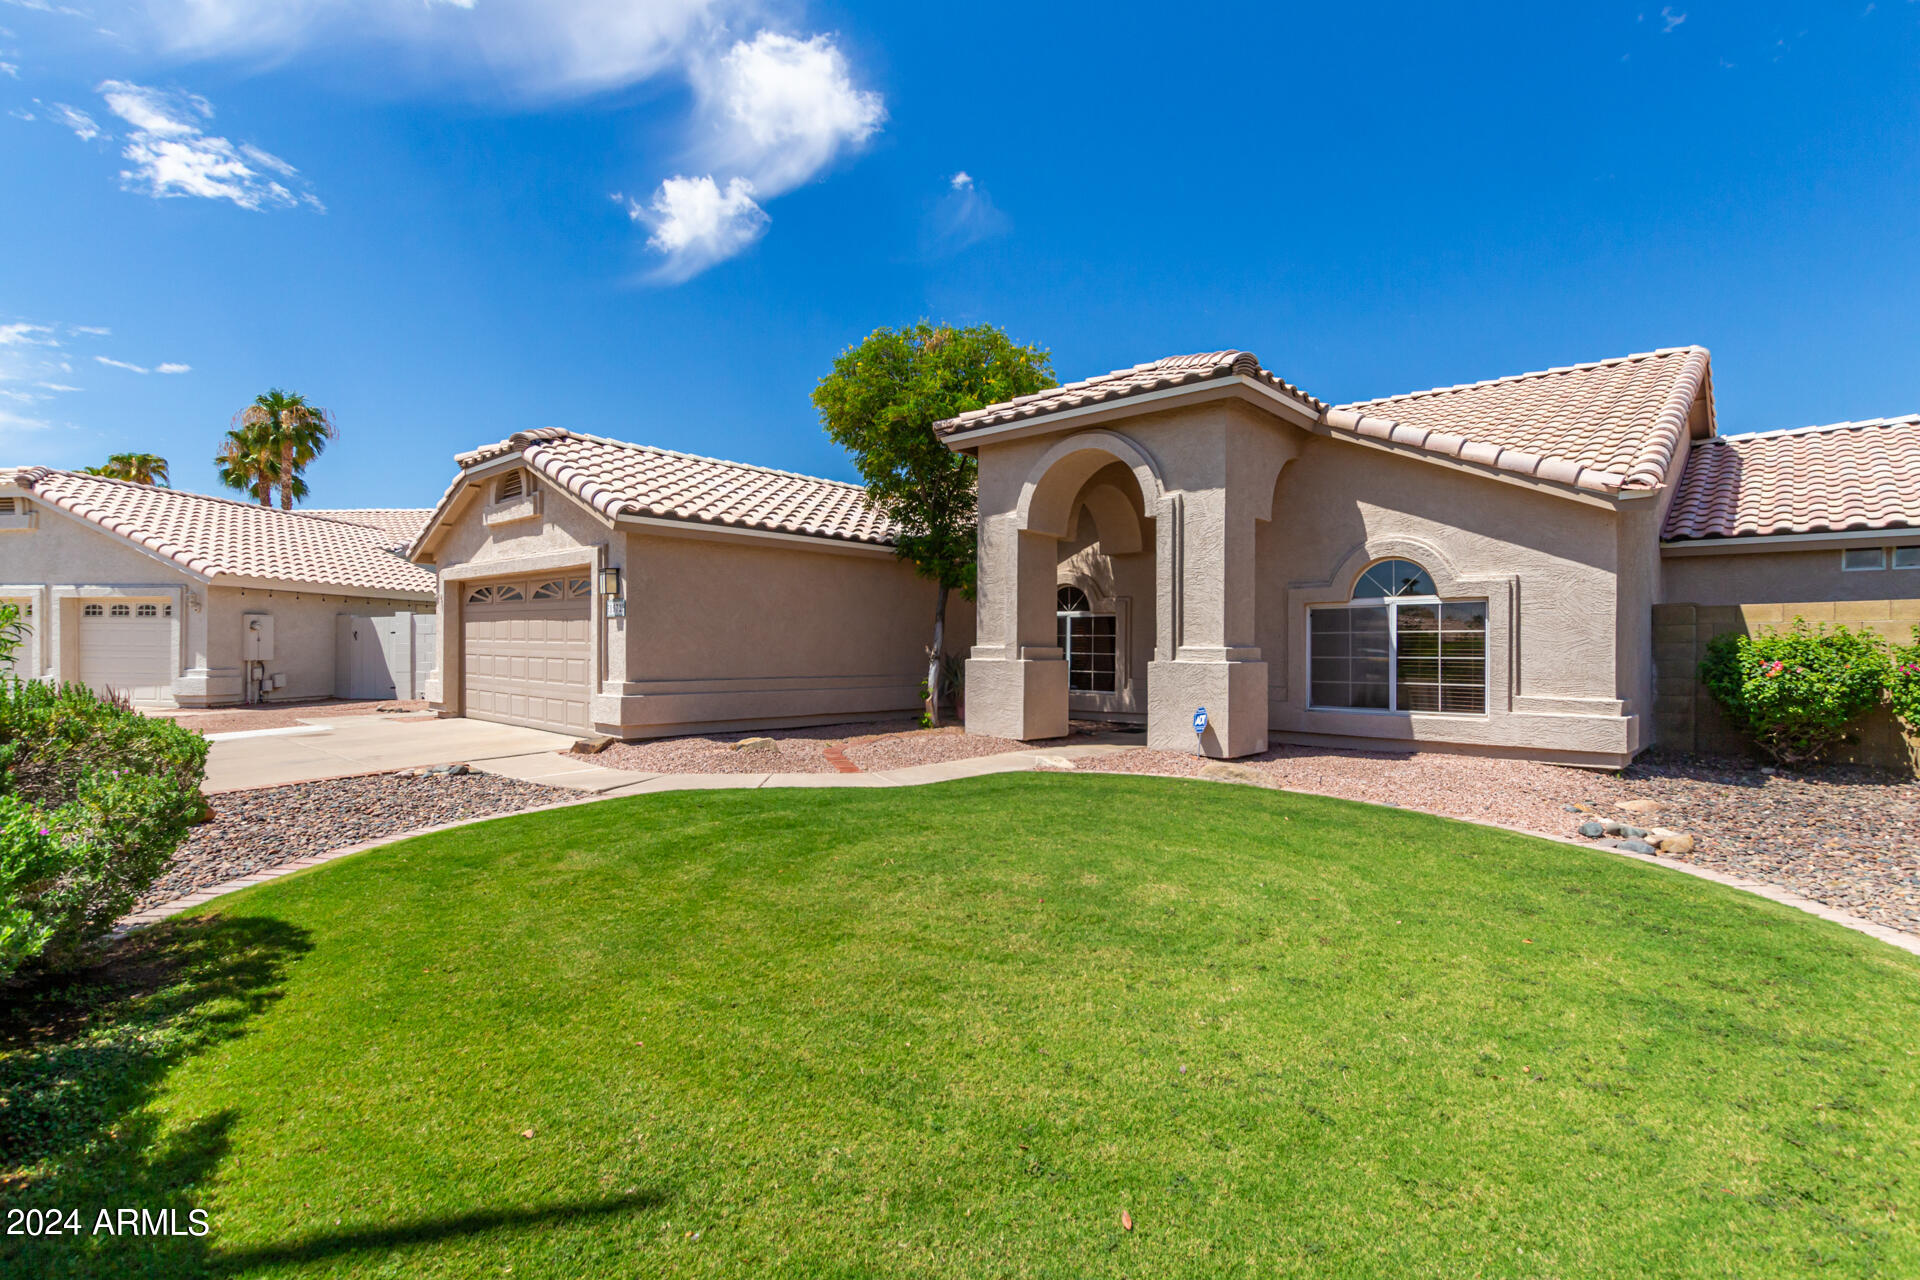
{"x":511,"y":485}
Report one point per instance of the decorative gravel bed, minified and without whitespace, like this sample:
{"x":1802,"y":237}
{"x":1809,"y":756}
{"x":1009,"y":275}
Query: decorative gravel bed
{"x":254,"y":830}
{"x":1848,"y":838}
{"x":873,"y":747}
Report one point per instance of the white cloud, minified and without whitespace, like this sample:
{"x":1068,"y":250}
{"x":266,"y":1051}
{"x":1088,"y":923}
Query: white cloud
{"x":10,"y":68}
{"x":92,"y":330}
{"x":168,"y":367}
{"x":963,"y":216}
{"x":80,"y":122}
{"x":542,"y":49}
{"x":22,"y":334}
{"x":171,"y":367}
{"x":775,"y":111}
{"x":32,"y":357}
{"x":696,"y":224}
{"x":1671,"y":18}
{"x":173,"y":156}
{"x":122,"y":364}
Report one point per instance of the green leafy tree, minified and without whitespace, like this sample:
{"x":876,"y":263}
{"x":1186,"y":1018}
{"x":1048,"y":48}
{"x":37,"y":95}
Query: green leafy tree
{"x":247,"y":464}
{"x":880,"y":404}
{"x":1796,"y":690}
{"x":141,"y":468}
{"x":13,"y":633}
{"x":293,"y":432}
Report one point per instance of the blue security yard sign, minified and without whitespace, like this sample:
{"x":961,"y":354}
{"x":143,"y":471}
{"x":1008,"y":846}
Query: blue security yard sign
{"x":1200,"y":721}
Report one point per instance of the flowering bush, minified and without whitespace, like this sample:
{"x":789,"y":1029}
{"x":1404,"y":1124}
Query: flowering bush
{"x":1796,"y":690}
{"x":94,"y":800}
{"x":1903,"y":683}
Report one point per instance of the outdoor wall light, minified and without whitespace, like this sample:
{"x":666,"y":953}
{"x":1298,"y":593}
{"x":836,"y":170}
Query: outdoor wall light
{"x":610,"y":582}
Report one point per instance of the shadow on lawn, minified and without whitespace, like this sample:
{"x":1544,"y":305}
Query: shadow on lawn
{"x":82,"y":1055}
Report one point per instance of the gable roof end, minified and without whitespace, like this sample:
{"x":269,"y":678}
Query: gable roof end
{"x":1830,"y":479}
{"x":1155,"y":375}
{"x":616,"y":478}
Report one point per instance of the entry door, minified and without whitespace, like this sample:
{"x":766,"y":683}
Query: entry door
{"x":126,"y":647}
{"x":527,"y":651}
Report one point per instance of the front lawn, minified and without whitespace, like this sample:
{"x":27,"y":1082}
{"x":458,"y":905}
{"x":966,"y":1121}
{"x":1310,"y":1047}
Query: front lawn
{"x":959,"y":1031}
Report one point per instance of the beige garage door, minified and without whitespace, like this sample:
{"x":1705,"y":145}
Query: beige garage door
{"x":527,"y":652}
{"x":126,"y":646}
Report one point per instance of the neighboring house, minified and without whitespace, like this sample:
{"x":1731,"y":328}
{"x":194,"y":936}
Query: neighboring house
{"x":179,"y":599}
{"x":1474,"y":567}
{"x":588,"y":584}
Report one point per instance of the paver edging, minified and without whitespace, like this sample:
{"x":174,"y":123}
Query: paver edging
{"x":1893,"y":937}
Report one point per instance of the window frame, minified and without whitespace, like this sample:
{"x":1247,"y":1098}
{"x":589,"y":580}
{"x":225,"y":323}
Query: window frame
{"x":1090,"y":614}
{"x":1879,"y":552}
{"x":1392,"y":606}
{"x":1914,"y":561}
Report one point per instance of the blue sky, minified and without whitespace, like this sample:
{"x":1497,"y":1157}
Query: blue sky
{"x":448,"y":221}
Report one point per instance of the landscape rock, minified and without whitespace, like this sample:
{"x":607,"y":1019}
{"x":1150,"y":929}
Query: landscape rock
{"x":756,"y":744}
{"x":1612,"y":828}
{"x":1637,"y":806}
{"x":1676,"y":845}
{"x":1633,"y":832}
{"x":1635,"y":846}
{"x":1053,"y":762}
{"x":593,"y":744}
{"x":1592,"y":830}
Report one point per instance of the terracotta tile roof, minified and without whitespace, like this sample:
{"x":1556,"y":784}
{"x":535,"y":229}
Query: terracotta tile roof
{"x":1608,"y":425}
{"x":1155,"y":375}
{"x":1850,"y":475}
{"x":219,"y":537}
{"x":1604,"y":426}
{"x":401,"y":525}
{"x":616,"y":479}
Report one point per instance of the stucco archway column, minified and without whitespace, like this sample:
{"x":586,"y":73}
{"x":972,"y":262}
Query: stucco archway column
{"x":1016,"y":674}
{"x":1205,"y":656}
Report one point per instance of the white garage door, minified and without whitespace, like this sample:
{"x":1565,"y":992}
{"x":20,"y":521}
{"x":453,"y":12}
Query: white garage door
{"x":127,"y":647}
{"x":526,"y":651}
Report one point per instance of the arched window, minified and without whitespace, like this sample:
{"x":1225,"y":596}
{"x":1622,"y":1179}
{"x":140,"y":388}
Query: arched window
{"x":1088,"y":639}
{"x":1392,"y":578}
{"x":1397,"y":646}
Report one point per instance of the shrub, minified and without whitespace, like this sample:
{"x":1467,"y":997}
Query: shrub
{"x":1903,"y":684}
{"x":94,"y":800}
{"x":13,"y":632}
{"x":1796,"y":690}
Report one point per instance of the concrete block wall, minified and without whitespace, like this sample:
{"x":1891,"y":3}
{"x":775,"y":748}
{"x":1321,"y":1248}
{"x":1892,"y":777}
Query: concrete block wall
{"x":1686,"y":718}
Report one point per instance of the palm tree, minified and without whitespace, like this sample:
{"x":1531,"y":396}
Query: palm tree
{"x":247,"y":464}
{"x":293,"y":431}
{"x":141,"y":468}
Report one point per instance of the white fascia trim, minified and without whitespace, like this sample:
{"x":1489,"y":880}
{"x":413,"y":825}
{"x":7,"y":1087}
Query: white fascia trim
{"x":810,"y":541}
{"x":316,"y":588}
{"x":1125,"y":406}
{"x":1900,"y":535}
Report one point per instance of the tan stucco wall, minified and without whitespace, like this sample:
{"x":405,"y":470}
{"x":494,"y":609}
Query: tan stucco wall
{"x":1559,"y":683}
{"x":1781,"y":577}
{"x":722,"y":629}
{"x":304,"y":633}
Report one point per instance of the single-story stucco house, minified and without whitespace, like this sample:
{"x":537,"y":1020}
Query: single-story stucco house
{"x":1527,"y":566}
{"x":180,"y":599}
{"x":590,"y":585}
{"x":1477,"y":567}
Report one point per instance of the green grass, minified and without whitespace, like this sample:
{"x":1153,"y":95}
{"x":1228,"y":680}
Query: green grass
{"x":956,"y":1031}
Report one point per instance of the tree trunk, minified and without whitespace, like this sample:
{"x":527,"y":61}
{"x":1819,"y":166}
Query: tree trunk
{"x":263,"y":490}
{"x":934,"y":656}
{"x":286,"y":478}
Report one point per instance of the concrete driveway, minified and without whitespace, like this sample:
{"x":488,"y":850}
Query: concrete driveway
{"x":338,"y":746}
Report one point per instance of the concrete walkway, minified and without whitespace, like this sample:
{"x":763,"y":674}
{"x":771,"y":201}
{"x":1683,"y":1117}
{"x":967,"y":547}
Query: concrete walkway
{"x":342,"y":746}
{"x":615,"y":782}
